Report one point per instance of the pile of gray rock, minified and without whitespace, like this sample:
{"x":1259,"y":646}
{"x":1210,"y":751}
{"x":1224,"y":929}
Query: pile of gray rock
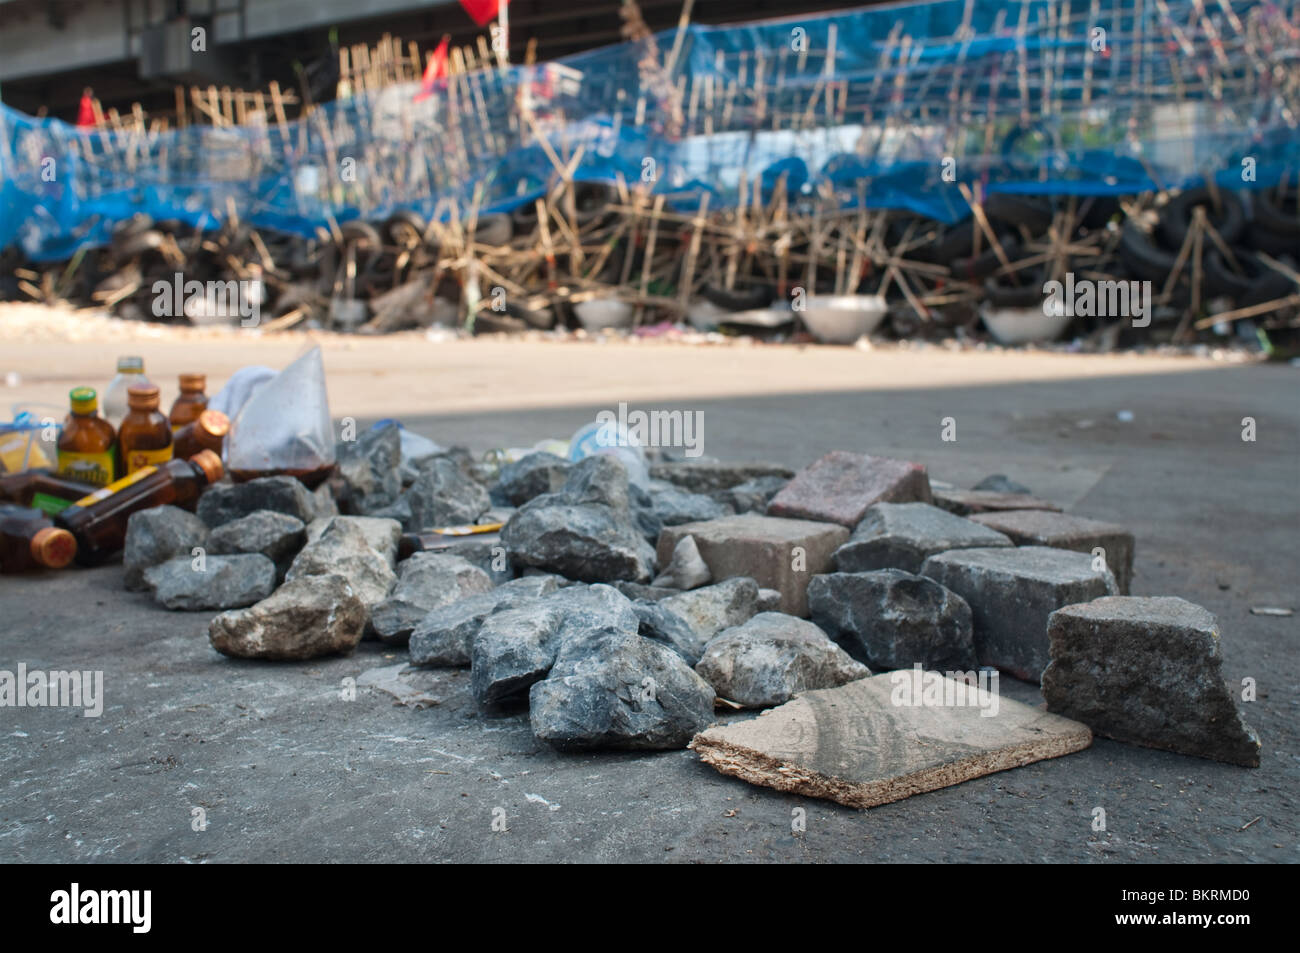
{"x":625,"y":614}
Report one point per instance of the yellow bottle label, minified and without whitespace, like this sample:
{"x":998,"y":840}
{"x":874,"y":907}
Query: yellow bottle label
{"x":93,"y":468}
{"x":133,"y":460}
{"x":115,"y":486}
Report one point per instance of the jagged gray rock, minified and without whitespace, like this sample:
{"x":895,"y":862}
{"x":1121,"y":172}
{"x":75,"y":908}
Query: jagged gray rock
{"x":225,"y":502}
{"x":442,"y":495}
{"x":446,"y":634}
{"x":711,"y":476}
{"x":664,"y":625}
{"x":752,"y":496}
{"x":343,"y":548}
{"x":765,"y":661}
{"x":905,"y":535}
{"x":675,"y":506}
{"x":367,"y":474}
{"x":380,"y":534}
{"x":156,"y":535}
{"x":686,"y":569}
{"x":890,"y":619}
{"x":532,"y":476}
{"x":222,"y":582}
{"x":277,"y":536}
{"x":304,"y":618}
{"x":713,"y":608}
{"x":513,"y":649}
{"x":425,"y":582}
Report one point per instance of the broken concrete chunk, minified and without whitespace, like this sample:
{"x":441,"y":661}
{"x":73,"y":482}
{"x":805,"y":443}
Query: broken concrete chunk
{"x":277,"y":536}
{"x":711,"y":476}
{"x":904,"y":535}
{"x":424,"y":582}
{"x":225,"y":502}
{"x":213,"y":582}
{"x":626,"y":692}
{"x":1011,"y":593}
{"x":1063,"y":531}
{"x":1147,"y":671}
{"x":446,"y":634}
{"x":156,"y":535}
{"x":344,"y":548}
{"x":885,"y":738}
{"x":840,"y":486}
{"x":966,"y":502}
{"x":780,"y":554}
{"x":765,"y":661}
{"x":686,"y":569}
{"x":713,"y":608}
{"x":304,"y":618}
{"x":890,"y":619}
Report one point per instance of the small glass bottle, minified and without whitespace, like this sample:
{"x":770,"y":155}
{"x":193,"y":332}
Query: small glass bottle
{"x":99,"y":521}
{"x":41,"y":489}
{"x":28,"y":541}
{"x":86,"y":445}
{"x":145,"y":437}
{"x":130,"y":370}
{"x":191,"y":402}
{"x":208,"y":432}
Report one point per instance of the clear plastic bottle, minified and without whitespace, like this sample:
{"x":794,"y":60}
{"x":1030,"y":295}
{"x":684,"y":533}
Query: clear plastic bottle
{"x":130,"y":370}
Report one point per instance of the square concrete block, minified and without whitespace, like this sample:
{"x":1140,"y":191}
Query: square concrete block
{"x":966,"y":502}
{"x":904,"y":535}
{"x":764,"y":548}
{"x":840,"y":487}
{"x":1012,"y":592}
{"x":1062,"y":531}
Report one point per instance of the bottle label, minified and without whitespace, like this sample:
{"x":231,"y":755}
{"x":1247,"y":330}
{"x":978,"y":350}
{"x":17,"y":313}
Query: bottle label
{"x":49,"y":505}
{"x":133,"y":460}
{"x":115,"y":487}
{"x":93,"y":468}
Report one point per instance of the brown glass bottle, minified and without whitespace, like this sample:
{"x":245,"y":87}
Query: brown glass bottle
{"x":99,"y":521}
{"x":86,"y":445}
{"x":29,"y":540}
{"x":208,"y":432}
{"x":145,"y":438}
{"x":191,"y":402}
{"x":42,"y":489}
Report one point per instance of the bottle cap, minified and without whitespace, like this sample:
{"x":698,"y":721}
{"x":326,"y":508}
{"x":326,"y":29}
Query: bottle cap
{"x":214,"y":423}
{"x":53,"y":548}
{"x":84,"y":400}
{"x":210,"y":464}
{"x":142,"y":397}
{"x":194,"y":381}
{"x":130,"y":365}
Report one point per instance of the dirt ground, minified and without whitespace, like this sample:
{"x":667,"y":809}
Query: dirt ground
{"x":284,"y":769}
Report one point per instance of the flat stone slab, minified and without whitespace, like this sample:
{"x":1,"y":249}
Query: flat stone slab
{"x":781,"y":554}
{"x":1011,"y":592}
{"x":840,"y":487}
{"x":966,"y":502}
{"x":1063,"y":531}
{"x":904,"y":535}
{"x":1147,"y":671}
{"x":859,"y":746}
{"x":705,"y":476}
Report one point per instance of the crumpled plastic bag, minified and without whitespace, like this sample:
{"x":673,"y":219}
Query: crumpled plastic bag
{"x":241,"y":386}
{"x":285,"y":426}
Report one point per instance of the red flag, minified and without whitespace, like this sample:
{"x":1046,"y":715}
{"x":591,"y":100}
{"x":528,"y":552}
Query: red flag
{"x":86,"y":111}
{"x":436,"y":70}
{"x":482,"y":12}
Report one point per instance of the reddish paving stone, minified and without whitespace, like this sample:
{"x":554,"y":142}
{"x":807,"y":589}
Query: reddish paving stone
{"x":840,"y":487}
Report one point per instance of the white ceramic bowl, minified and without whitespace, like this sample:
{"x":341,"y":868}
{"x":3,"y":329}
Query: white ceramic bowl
{"x":842,"y":319}
{"x":1011,"y":326}
{"x":600,"y":313}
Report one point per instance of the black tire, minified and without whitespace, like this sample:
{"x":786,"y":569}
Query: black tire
{"x":1011,"y":208}
{"x":1101,"y":209}
{"x":404,"y":224}
{"x":957,"y":241}
{"x":757,"y":297}
{"x":1279,"y":218}
{"x":1028,"y":294}
{"x":1141,"y":256}
{"x":137,"y":243}
{"x":1270,"y":242}
{"x":494,"y":230}
{"x":363,"y":233}
{"x":986,"y":262}
{"x":1176,"y":217}
{"x":1267,"y":287}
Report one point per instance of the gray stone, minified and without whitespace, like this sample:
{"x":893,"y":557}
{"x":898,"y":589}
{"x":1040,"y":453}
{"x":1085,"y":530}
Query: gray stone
{"x":1001,"y":483}
{"x":779,"y":554}
{"x":343,"y":548}
{"x":890,"y":619}
{"x":769,"y":600}
{"x":839,"y":487}
{"x":628,"y":693}
{"x":304,"y":618}
{"x":425,"y":582}
{"x":635,"y":590}
{"x":513,"y":649}
{"x":226,"y":502}
{"x":277,"y":536}
{"x":446,"y":634}
{"x":710,"y":610}
{"x":967,"y":502}
{"x":224,"y":582}
{"x":380,"y":534}
{"x":486,"y":552}
{"x":708,"y":477}
{"x":904,"y":535}
{"x":686,"y":569}
{"x":585,"y":531}
{"x":766,"y":660}
{"x":664,"y":625}
{"x":367,"y":475}
{"x":1011,"y":592}
{"x":1147,"y":671}
{"x":532,"y":476}
{"x":675,"y":506}
{"x":1063,"y":531}
{"x":323,"y":503}
{"x":154,"y":536}
{"x":752,"y":496}
{"x":443,"y":495}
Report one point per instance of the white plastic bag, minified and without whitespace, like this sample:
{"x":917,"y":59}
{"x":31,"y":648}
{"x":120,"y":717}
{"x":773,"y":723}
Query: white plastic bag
{"x":284,"y":426}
